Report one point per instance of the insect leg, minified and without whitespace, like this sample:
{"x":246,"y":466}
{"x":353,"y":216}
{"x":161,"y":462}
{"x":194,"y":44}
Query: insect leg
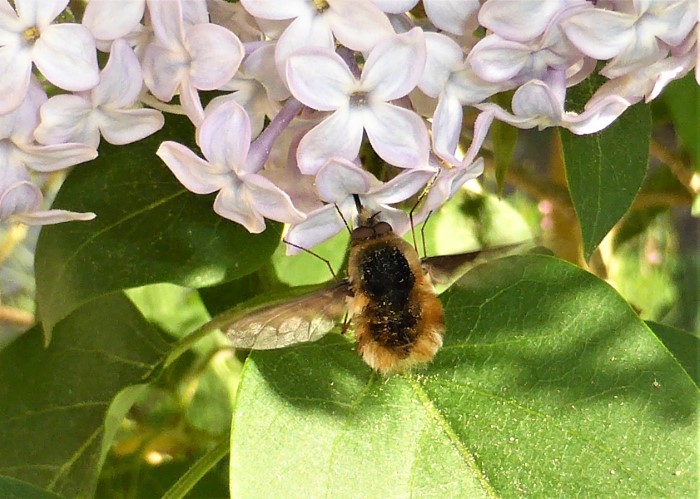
{"x":325,"y":260}
{"x":421,"y":196}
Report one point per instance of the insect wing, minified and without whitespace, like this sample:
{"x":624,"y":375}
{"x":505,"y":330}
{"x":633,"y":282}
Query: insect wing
{"x":445,"y":270}
{"x":298,"y":320}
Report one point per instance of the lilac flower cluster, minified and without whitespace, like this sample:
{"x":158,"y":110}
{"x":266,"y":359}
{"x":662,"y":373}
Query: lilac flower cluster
{"x":324,"y":74}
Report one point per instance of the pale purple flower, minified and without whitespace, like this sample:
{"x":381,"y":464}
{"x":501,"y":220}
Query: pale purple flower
{"x":646,"y":82}
{"x":244,"y":195}
{"x":395,"y":6}
{"x":108,"y":108}
{"x":19,"y":149}
{"x":185,"y":58}
{"x":64,"y":53}
{"x":336,"y":182}
{"x":257,"y":87}
{"x":455,"y":85}
{"x":541,"y":104}
{"x":20,"y":202}
{"x":448,"y":182}
{"x":521,"y":20}
{"x":357,"y":24}
{"x":497,"y":59}
{"x":636,"y":36}
{"x":108,"y":20}
{"x":320,"y":79}
{"x":453,"y":16}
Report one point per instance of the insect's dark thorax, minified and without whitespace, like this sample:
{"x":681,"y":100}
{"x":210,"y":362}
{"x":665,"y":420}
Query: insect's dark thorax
{"x":386,"y":279}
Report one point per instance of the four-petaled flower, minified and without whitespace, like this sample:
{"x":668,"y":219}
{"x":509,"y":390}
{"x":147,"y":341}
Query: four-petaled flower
{"x":336,"y":182}
{"x":108,"y":108}
{"x":64,"y":53}
{"x":321,"y":80}
{"x":245,"y":195}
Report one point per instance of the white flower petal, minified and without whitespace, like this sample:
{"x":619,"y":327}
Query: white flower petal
{"x":395,"y":6}
{"x":230,"y":203}
{"x":197,"y":175}
{"x":224,"y":136}
{"x":191,"y":103}
{"x":19,"y":197}
{"x":166,"y":21}
{"x":163,"y":71}
{"x":319,"y":78}
{"x":599,"y":116}
{"x":599,"y":33}
{"x":55,"y":157}
{"x":395,"y":66}
{"x":536,"y":99}
{"x":521,"y":20}
{"x":50,"y":217}
{"x":109,"y":20}
{"x":216,"y":55}
{"x":502,"y":115}
{"x":339,"y":179}
{"x":442,"y":55}
{"x":39,"y":12}
{"x":121,"y":79}
{"x":269,"y":200}
{"x":15,"y":70}
{"x":66,"y":55}
{"x":447,"y":126}
{"x":452,"y":15}
{"x":320,"y":225}
{"x":338,"y":135}
{"x":305,"y":31}
{"x":397,"y":135}
{"x":495,"y":59}
{"x":402,"y":186}
{"x":65,"y":118}
{"x":357,"y":24}
{"x":274,"y":9}
{"x":124,"y":126}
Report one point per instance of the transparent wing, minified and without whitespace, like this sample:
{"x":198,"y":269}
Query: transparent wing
{"x":296,"y":320}
{"x":444,"y":270}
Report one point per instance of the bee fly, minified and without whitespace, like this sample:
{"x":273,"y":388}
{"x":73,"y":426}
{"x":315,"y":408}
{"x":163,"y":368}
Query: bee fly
{"x":388,"y":295}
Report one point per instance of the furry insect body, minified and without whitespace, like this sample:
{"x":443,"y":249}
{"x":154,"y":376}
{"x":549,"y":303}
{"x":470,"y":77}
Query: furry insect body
{"x":398,"y":319}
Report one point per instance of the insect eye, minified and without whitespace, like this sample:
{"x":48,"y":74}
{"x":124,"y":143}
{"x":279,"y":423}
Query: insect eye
{"x":362,"y":233}
{"x":382,"y":228}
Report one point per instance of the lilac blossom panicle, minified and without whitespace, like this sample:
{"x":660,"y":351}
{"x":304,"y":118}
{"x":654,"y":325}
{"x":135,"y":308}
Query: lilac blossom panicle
{"x":303,"y":86}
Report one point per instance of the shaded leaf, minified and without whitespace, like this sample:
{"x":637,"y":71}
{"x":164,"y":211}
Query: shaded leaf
{"x":54,"y":401}
{"x":605,"y":170}
{"x":148,"y":229}
{"x":683,"y":99}
{"x":684,"y":346}
{"x":11,"y":488}
{"x":548,"y":385}
{"x":503,"y":138}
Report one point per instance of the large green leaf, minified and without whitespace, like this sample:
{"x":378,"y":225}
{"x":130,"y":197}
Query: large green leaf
{"x":548,"y":385}
{"x":148,"y":229}
{"x":54,"y":401}
{"x":605,"y":170}
{"x":684,"y":346}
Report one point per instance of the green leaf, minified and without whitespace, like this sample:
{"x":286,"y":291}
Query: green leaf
{"x":504,"y":138}
{"x":17,"y":489}
{"x":683,"y":99}
{"x":605,"y":170}
{"x":684,"y":346}
{"x":148,"y":229}
{"x":548,"y":385}
{"x":54,"y":401}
